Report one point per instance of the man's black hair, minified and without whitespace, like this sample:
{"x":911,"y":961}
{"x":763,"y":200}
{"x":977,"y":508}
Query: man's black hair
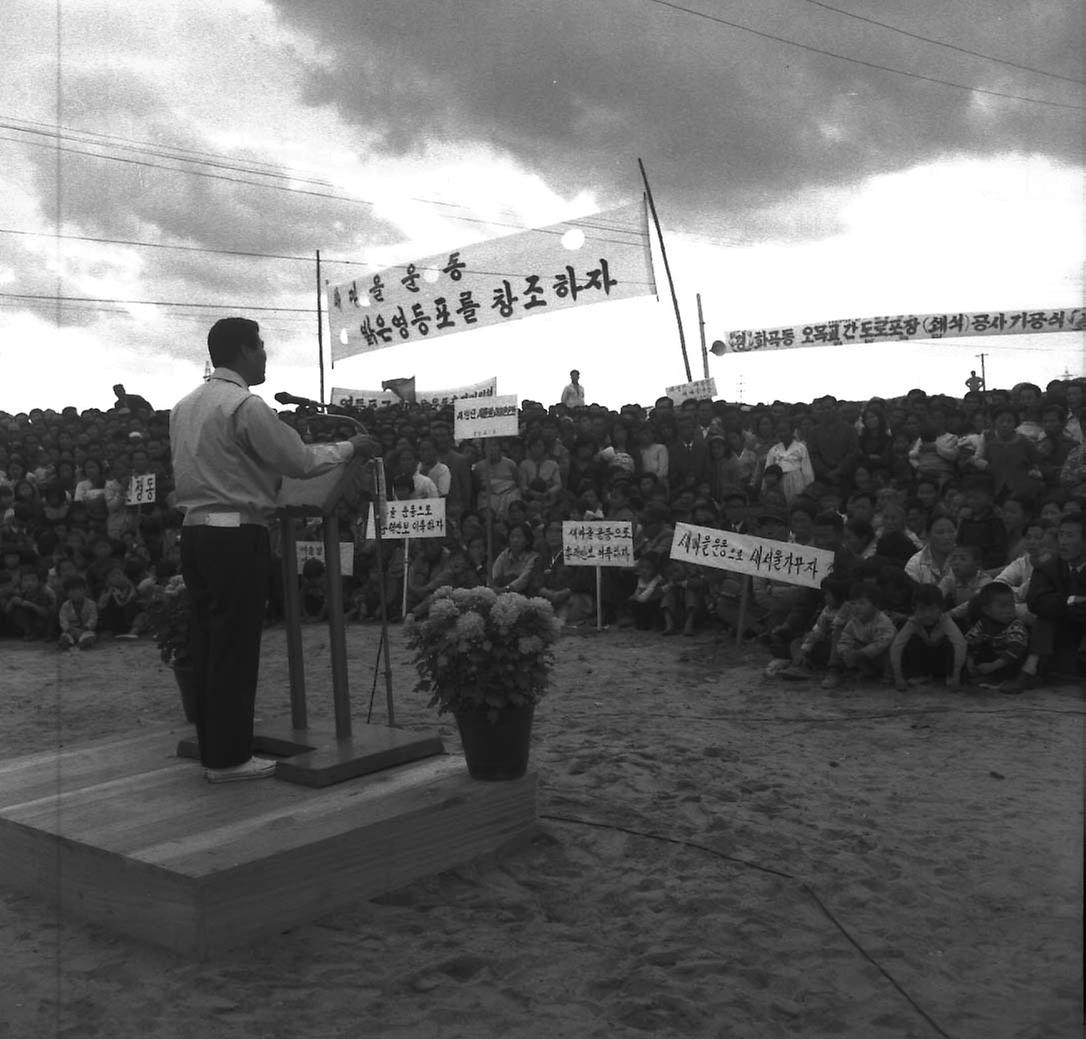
{"x":229,"y":336}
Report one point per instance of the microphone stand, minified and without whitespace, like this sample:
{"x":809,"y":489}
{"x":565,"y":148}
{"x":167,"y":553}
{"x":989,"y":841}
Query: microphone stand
{"x":378,"y":484}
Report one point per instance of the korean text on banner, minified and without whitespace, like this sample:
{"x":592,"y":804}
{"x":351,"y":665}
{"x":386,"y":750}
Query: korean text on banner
{"x":605,"y":256}
{"x":700,"y":389}
{"x":497,"y":417}
{"x":778,"y":560}
{"x":315,"y":550}
{"x":344,"y":398}
{"x":141,"y":489}
{"x":597,"y":542}
{"x":424,"y":518}
{"x":907,"y":326}
{"x":434,"y":398}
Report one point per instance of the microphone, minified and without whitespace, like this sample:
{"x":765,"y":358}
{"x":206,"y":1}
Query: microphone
{"x":298,"y":402}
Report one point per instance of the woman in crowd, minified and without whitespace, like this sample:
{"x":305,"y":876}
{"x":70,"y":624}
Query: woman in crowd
{"x":791,"y":455}
{"x":497,"y":479}
{"x":512,"y":571}
{"x":932,"y":563}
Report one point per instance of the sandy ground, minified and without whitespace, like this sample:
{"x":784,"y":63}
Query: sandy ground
{"x":720,"y":854}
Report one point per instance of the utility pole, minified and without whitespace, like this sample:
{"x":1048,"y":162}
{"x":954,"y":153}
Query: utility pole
{"x":667,"y":270}
{"x":983,"y":377}
{"x":704,"y":349}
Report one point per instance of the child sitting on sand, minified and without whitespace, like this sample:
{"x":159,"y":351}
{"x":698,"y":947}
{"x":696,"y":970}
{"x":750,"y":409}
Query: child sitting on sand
{"x":314,"y":606}
{"x":929,"y":644}
{"x":644,"y":604}
{"x":864,"y":640}
{"x":965,"y":580}
{"x":78,"y":616}
{"x":998,"y":642}
{"x":816,"y":647}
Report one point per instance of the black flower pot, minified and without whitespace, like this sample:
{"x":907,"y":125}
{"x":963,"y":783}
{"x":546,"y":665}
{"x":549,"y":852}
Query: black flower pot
{"x":186,"y":683}
{"x":497,"y":750}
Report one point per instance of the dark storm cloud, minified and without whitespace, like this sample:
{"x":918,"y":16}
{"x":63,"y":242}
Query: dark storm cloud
{"x":142,"y":195}
{"x":722,"y":118}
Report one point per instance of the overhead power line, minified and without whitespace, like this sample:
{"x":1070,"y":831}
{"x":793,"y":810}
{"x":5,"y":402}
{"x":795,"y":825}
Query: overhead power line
{"x":860,"y":61}
{"x":51,"y":141}
{"x":239,"y":252}
{"x":156,"y":303}
{"x":943,"y":43}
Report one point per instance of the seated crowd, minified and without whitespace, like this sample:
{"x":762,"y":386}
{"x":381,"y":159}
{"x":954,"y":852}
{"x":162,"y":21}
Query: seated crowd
{"x":955,"y":524}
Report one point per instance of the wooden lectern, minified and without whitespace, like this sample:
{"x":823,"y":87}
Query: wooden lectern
{"x":314,"y":756}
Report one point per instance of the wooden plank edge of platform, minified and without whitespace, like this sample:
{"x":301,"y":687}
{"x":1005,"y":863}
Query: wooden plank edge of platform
{"x":95,"y":886}
{"x":262,"y":898}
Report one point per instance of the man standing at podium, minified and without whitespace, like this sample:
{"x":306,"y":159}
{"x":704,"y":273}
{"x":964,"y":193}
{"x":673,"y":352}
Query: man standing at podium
{"x":230,"y":452}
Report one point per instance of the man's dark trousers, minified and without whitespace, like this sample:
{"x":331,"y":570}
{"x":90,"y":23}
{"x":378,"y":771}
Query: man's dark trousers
{"x":226,"y":572}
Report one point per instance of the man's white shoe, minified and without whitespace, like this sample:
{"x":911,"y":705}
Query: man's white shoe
{"x":254,"y":768}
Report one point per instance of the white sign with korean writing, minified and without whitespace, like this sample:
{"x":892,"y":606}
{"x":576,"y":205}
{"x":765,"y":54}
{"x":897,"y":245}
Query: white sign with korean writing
{"x":434,"y":398}
{"x":700,"y":389}
{"x":725,"y":550}
{"x":601,"y":257}
{"x":906,"y":326}
{"x":421,"y":518}
{"x":315,"y":550}
{"x":597,"y":542}
{"x":494,"y":417}
{"x":141,"y":489}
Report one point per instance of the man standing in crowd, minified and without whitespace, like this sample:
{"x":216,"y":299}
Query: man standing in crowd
{"x":833,"y":445}
{"x":230,"y":452}
{"x":573,"y":395}
{"x":129,"y":402}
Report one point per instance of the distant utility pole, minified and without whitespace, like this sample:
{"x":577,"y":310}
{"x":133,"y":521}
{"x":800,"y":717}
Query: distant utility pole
{"x":207,"y":370}
{"x":983,"y":377}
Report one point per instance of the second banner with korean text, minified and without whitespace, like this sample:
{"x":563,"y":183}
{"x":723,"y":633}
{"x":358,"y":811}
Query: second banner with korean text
{"x":594,"y":259}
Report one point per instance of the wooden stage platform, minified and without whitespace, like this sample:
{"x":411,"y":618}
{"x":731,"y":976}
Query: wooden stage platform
{"x":126,"y":834}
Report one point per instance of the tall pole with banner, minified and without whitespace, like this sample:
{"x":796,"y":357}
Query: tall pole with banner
{"x":320,"y":327}
{"x":667,"y":270}
{"x":704,"y":349}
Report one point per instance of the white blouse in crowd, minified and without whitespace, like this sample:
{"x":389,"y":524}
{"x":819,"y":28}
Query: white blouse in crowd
{"x":440,"y":475}
{"x":86,"y":491}
{"x":1017,"y":574}
{"x":654,"y":460}
{"x":923,"y":569}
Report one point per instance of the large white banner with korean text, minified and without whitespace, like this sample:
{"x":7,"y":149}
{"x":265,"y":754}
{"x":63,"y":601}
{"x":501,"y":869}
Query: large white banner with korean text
{"x":904,"y":326}
{"x":434,"y":398}
{"x":594,"y":259}
{"x":760,"y":557}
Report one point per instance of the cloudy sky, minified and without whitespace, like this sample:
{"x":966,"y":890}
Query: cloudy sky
{"x":165,"y":164}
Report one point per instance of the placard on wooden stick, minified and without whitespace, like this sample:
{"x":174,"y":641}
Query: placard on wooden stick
{"x":753,"y":557}
{"x":597,"y":543}
{"x":420,"y":518}
{"x":478,"y":418}
{"x":141,"y":489}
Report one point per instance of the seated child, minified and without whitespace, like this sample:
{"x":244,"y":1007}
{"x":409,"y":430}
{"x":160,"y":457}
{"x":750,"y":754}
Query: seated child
{"x":31,"y":608}
{"x":313,"y":604}
{"x":929,"y":644}
{"x":997,"y":644}
{"x":816,"y":647}
{"x":864,"y":640}
{"x":78,"y":616}
{"x":962,"y":584}
{"x":684,"y":596}
{"x":643,"y":608}
{"x":119,"y":605}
